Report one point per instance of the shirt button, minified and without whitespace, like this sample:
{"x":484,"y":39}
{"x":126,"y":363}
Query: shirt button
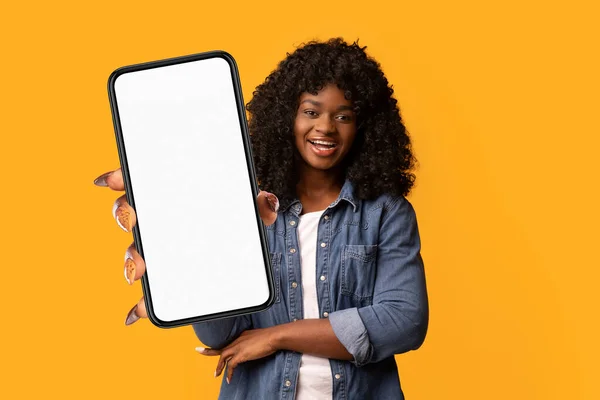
{"x":326,"y":217}
{"x":323,"y":244}
{"x":326,"y":314}
{"x":337,"y":376}
{"x":322,"y":277}
{"x":294,"y":284}
{"x":292,"y":250}
{"x":292,"y":223}
{"x":288,"y":383}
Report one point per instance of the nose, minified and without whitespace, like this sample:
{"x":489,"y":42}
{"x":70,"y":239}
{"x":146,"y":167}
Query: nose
{"x":325,"y":124}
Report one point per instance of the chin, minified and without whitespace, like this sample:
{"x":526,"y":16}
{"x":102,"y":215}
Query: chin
{"x":320,"y":165}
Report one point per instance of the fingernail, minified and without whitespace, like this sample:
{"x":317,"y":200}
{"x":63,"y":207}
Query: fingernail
{"x":122,"y":216}
{"x":129,"y":271}
{"x":215,"y":374}
{"x":201,"y":350}
{"x":131,"y":316}
{"x":273,"y":202}
{"x":227,"y":379}
{"x":101,"y":180}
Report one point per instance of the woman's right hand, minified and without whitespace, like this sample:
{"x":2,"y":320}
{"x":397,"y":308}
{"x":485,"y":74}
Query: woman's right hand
{"x":124,"y":214}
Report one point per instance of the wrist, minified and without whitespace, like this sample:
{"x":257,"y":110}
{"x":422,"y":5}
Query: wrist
{"x":277,"y":336}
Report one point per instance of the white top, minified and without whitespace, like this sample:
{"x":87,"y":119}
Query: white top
{"x":314,"y":375}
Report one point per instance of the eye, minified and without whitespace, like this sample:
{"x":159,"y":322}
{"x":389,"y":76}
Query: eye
{"x":345,"y":118}
{"x":310,"y":113}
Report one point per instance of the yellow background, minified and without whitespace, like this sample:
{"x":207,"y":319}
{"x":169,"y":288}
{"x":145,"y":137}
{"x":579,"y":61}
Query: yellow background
{"x":501,"y":101}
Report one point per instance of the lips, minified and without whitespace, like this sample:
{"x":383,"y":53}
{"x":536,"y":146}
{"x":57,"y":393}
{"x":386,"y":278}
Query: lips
{"x":323,"y":147}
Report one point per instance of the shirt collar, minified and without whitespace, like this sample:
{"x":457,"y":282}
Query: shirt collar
{"x":347,"y":193}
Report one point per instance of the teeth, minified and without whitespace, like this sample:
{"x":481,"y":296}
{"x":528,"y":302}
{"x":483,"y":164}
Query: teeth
{"x":323,"y":142}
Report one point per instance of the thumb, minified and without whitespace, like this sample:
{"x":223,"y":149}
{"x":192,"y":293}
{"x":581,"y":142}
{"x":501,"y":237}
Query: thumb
{"x":268,"y":204}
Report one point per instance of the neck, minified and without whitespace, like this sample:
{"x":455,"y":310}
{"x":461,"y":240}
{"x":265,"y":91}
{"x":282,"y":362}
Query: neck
{"x":318,"y":183}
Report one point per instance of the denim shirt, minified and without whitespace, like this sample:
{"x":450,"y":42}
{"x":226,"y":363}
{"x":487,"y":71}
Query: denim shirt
{"x":370,"y":284}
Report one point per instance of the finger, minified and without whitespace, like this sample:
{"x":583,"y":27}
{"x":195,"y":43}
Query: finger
{"x":268,"y":205}
{"x":225,"y":356}
{"x":124,"y":214}
{"x":112,"y":179}
{"x":134,"y":265}
{"x":231,"y":365}
{"x":138,"y":311}
{"x":208,"y":352}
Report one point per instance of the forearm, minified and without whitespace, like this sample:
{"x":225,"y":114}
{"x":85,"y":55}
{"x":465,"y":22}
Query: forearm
{"x":310,"y":336}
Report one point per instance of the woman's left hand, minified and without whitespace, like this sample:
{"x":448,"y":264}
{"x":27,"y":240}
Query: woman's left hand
{"x":250,"y":345}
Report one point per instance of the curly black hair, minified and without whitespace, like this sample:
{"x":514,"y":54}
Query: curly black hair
{"x":381,"y":158}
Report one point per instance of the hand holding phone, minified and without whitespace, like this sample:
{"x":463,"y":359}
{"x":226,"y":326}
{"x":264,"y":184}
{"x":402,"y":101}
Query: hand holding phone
{"x":124,"y":214}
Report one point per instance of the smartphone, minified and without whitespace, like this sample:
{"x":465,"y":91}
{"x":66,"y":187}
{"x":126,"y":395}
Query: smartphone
{"x":184,"y":149}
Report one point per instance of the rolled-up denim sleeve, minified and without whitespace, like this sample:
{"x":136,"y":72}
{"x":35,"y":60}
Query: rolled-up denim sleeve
{"x":397,"y":320}
{"x":219,"y":333}
{"x":352,"y":333}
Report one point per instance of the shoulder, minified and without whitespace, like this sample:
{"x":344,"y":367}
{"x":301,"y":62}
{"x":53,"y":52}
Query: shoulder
{"x":390,"y":205}
{"x":392,"y":215}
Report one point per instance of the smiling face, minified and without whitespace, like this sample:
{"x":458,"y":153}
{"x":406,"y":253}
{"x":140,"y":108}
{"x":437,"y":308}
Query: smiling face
{"x":324,"y":128}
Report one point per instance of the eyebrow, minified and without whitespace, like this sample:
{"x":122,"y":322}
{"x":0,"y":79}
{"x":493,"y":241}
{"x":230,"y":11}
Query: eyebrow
{"x":318,"y":104}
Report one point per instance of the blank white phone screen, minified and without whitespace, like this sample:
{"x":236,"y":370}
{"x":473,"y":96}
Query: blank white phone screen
{"x":191,"y":189}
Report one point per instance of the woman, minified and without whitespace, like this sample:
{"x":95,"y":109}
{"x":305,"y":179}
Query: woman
{"x":328,"y":140}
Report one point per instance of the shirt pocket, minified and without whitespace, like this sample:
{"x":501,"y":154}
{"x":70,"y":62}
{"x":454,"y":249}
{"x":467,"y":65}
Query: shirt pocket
{"x":276,"y":268}
{"x":358,"y":271}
